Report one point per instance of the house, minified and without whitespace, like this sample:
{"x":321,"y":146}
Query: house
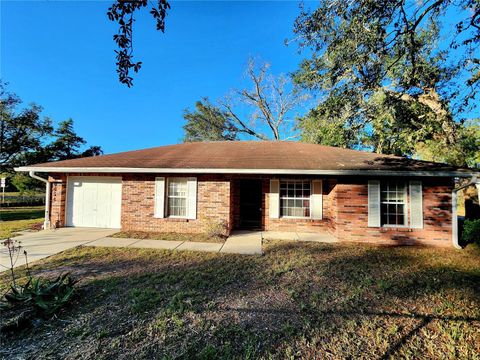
{"x":269,"y":185}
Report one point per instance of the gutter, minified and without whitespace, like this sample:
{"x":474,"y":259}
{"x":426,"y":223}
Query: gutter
{"x":473,"y":181}
{"x":46,"y":223}
{"x":359,"y":172}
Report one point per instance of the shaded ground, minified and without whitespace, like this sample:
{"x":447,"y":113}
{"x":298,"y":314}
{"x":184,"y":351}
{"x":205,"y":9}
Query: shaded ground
{"x":168,"y":236}
{"x":299,"y":300}
{"x":17,"y":219}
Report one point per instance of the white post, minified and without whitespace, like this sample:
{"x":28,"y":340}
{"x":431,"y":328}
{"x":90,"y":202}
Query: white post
{"x":455,"y":220}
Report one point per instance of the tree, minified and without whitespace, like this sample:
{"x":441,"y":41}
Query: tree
{"x":399,"y":21}
{"x":265,"y":111}
{"x":465,"y":152}
{"x":122,"y":12}
{"x":382,"y":81}
{"x":21,"y":131}
{"x":208,"y":123}
{"x":66,"y":143}
{"x":26,"y":138}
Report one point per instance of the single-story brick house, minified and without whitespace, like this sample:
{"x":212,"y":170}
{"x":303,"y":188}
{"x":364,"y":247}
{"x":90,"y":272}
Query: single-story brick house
{"x":270,"y":185}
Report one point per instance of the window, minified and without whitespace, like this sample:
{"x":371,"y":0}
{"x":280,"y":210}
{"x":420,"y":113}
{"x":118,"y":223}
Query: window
{"x":393,"y":203}
{"x":295,"y":198}
{"x":177,"y":197}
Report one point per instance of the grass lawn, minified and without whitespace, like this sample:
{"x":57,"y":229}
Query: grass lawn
{"x":19,"y":218}
{"x":299,"y":300}
{"x":167,"y":236}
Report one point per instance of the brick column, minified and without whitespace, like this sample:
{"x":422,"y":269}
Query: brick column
{"x":58,"y":197}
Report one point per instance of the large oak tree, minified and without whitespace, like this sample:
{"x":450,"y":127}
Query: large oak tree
{"x":384,"y":82}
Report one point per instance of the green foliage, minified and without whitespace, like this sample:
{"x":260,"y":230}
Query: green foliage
{"x":471,"y":231}
{"x":44,"y":296}
{"x":20,"y":131}
{"x":122,"y":13}
{"x":144,"y":300}
{"x":208,"y":123}
{"x":326,"y":124}
{"x":465,"y":151}
{"x":26,"y":185}
{"x":26,"y":138}
{"x":382,"y":80}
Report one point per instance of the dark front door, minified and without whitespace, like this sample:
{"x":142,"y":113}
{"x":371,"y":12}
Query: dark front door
{"x":250,"y":204}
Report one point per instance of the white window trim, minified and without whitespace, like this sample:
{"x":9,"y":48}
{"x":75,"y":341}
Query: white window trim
{"x":167,"y":197}
{"x":280,"y":198}
{"x":406,"y":208}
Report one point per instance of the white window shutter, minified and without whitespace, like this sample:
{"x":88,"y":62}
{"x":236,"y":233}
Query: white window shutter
{"x":159,"y":210}
{"x":316,"y":204}
{"x":373,"y":203}
{"x":416,"y":205}
{"x":274,"y":196}
{"x":192,"y":198}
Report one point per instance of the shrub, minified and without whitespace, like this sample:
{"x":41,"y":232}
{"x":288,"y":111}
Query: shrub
{"x":215,"y":228}
{"x":45,"y":297}
{"x":471,"y":231}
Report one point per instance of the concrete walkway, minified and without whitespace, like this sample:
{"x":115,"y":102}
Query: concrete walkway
{"x":157,"y":244}
{"x":242,"y":243}
{"x":45,"y":243}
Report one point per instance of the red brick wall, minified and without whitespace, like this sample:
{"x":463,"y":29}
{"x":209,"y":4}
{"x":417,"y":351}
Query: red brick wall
{"x":213,"y":194}
{"x":352,"y":215}
{"x":345,"y":209}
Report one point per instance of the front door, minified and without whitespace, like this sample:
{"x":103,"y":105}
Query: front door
{"x":250,"y":204}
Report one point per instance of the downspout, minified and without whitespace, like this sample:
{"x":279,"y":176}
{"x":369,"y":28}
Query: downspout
{"x":46,"y":223}
{"x":473,"y":181}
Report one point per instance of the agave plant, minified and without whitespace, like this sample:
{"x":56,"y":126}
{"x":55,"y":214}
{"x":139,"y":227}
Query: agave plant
{"x":45,"y":296}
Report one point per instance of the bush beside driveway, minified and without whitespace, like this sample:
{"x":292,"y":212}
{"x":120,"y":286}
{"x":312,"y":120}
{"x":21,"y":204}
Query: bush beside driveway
{"x":299,"y":300}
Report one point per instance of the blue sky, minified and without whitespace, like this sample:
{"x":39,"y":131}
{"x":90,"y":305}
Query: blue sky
{"x":60,"y":56}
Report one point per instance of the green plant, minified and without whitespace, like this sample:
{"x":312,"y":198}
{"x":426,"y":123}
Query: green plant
{"x":45,"y":297}
{"x":144,"y":300}
{"x":471,"y":231}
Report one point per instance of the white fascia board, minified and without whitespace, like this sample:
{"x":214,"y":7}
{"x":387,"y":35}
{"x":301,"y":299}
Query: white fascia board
{"x":244,"y":171}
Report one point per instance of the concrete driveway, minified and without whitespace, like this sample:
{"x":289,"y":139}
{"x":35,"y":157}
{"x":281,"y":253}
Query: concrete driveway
{"x":45,"y":243}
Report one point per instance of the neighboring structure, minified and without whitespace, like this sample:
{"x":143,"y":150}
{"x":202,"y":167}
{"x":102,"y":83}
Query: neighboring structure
{"x":280,"y":186}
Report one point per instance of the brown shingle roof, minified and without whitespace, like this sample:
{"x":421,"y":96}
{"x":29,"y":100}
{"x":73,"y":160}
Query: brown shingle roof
{"x":276,"y":155}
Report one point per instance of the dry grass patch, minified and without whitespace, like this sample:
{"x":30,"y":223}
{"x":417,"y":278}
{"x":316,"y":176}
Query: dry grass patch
{"x":299,"y":300}
{"x":168,"y":236}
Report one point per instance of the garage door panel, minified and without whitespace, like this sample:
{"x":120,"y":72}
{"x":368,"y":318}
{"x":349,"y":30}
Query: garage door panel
{"x":94,"y":202}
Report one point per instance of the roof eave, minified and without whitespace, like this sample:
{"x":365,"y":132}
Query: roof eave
{"x":361,"y":172}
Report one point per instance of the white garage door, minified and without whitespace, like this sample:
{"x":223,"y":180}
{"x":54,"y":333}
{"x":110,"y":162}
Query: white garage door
{"x":94,"y":201}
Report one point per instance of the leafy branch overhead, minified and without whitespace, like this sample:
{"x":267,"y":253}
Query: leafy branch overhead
{"x":122,"y":12}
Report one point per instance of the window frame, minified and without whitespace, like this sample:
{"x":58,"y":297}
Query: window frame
{"x":281,"y":198}
{"x":168,"y":197}
{"x":405,"y":203}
